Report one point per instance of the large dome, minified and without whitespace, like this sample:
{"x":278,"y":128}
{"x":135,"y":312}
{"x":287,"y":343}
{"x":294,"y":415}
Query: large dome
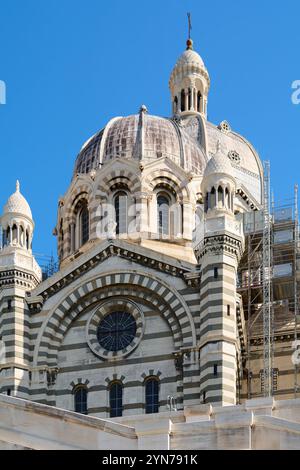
{"x":142,"y":137}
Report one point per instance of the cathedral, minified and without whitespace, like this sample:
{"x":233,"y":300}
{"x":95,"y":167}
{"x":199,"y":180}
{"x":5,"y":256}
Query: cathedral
{"x":149,"y":310}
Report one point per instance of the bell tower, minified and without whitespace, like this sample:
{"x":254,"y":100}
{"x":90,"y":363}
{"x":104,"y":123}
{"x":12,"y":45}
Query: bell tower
{"x":19,"y":273}
{"x":219,"y":254}
{"x":189,"y":84}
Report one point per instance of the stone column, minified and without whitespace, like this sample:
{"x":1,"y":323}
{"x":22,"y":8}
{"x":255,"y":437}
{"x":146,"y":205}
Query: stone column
{"x":188,"y":218}
{"x":223,"y":196}
{"x":192,"y":99}
{"x":18,"y":235}
{"x":72,"y":241}
{"x":186,"y":100}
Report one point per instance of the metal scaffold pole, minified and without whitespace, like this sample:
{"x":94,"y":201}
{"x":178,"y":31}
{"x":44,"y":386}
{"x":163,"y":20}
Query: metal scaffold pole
{"x":296,"y":237}
{"x":267,"y":314}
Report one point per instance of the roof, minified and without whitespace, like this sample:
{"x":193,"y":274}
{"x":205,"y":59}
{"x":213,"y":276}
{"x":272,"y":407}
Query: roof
{"x":17,"y":204}
{"x":142,"y":137}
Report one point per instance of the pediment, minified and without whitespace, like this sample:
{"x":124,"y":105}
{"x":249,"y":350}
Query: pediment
{"x":99,"y":255}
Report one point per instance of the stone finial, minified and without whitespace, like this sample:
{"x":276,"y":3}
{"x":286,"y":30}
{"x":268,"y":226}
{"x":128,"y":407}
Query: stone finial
{"x":189,"y":44}
{"x":18,"y":186}
{"x":143,"y":109}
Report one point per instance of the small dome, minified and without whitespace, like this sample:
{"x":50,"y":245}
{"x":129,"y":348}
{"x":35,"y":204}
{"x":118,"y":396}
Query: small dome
{"x":17,"y":204}
{"x":218,"y":164}
{"x":189,"y":57}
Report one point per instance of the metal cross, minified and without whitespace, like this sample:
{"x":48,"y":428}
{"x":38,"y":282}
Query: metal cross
{"x":189,"y":24}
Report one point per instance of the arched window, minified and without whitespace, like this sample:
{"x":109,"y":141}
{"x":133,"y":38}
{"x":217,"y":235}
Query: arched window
{"x":199,"y":97}
{"x":152,"y":395}
{"x":182,"y":101}
{"x":80,"y":228}
{"x":212,"y":198}
{"x":80,"y":400}
{"x":84,"y":224}
{"x":120,"y":203}
{"x":163,"y":214}
{"x":116,"y":399}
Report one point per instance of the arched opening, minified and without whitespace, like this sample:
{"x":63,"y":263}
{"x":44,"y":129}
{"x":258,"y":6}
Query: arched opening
{"x":8,"y":236}
{"x":206,"y":202}
{"x":212,"y":198}
{"x":227,"y":199}
{"x":163,"y":214}
{"x":8,"y":231}
{"x":27,"y":240}
{"x":116,"y":399}
{"x":4,"y":240}
{"x":121,"y":212}
{"x":14,"y":235}
{"x":152,"y":395}
{"x":80,"y":400}
{"x":220,"y":196}
{"x":182,"y":100}
{"x":61,"y":232}
{"x":189,"y":99}
{"x":199,"y":99}
{"x":175,"y":105}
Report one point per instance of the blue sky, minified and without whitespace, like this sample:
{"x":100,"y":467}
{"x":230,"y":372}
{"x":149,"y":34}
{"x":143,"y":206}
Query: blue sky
{"x":69,"y":66}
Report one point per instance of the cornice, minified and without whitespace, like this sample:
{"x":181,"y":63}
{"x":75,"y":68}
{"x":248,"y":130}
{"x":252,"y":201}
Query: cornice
{"x":35,"y":302}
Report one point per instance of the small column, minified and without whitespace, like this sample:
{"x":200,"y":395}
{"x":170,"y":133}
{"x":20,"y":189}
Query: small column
{"x":223,"y":196}
{"x":186,"y":100}
{"x":142,"y":214}
{"x":188,"y":218}
{"x":192,"y":99}
{"x":18,"y":235}
{"x":72,"y":245}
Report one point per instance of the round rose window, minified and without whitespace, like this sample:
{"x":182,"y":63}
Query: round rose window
{"x":116,"y":331}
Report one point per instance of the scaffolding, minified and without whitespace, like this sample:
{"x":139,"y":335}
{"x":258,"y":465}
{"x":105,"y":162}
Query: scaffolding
{"x":268,"y":281}
{"x":48,"y":264}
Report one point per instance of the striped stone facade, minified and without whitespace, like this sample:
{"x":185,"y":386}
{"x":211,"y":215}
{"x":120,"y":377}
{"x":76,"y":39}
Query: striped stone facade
{"x":57,"y":347}
{"x":219,"y":341}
